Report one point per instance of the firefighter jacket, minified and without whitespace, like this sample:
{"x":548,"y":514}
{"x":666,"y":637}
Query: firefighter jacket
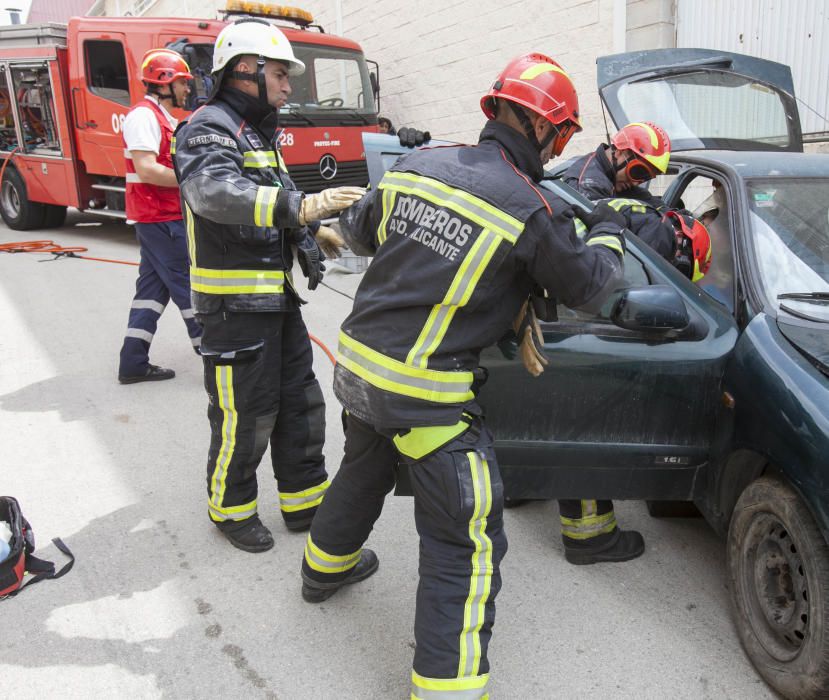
{"x":459,"y":236}
{"x":594,"y":176}
{"x":146,"y":203}
{"x":241,"y":207}
{"x":646,"y":221}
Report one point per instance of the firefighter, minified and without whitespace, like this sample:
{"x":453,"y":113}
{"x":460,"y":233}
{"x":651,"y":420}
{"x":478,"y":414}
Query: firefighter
{"x":637,"y":153}
{"x":153,"y":206}
{"x":245,"y":223}
{"x":460,"y":236}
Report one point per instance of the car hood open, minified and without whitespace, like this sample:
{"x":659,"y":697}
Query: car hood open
{"x":704,"y":99}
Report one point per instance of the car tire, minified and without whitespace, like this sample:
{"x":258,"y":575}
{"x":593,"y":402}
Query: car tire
{"x":778,"y":565}
{"x":54,"y":217}
{"x":17,"y":211}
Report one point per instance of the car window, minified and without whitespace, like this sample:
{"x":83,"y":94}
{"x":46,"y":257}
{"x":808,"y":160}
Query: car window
{"x":635,"y":276}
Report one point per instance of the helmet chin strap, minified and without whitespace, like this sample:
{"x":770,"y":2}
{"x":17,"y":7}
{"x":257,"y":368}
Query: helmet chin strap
{"x":259,"y":79}
{"x":529,"y":130}
{"x":153,"y":90}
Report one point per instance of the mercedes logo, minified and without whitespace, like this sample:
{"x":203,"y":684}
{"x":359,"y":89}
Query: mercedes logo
{"x":328,"y":167}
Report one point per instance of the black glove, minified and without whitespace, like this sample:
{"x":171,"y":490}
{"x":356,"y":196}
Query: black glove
{"x":603,"y":213}
{"x":310,"y":259}
{"x":413,"y":137}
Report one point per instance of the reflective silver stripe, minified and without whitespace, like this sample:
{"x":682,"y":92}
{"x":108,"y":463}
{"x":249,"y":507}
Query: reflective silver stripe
{"x":459,"y":387}
{"x":196,"y":341}
{"x":304,"y":499}
{"x":223,"y":514}
{"x":481,"y":578}
{"x":224,"y":387}
{"x":147,"y":304}
{"x":471,"y":270}
{"x":459,"y":201}
{"x":134,"y":178}
{"x":187,"y":313}
{"x":329,"y":564}
{"x":146,"y":336}
{"x":419,"y":693}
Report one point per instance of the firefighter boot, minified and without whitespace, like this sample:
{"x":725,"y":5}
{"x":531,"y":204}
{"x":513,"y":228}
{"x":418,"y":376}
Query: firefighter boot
{"x":618,"y":545}
{"x":316,"y":592}
{"x":249,"y":534}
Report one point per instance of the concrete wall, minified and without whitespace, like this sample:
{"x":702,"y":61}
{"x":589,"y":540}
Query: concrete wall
{"x":437,"y":59}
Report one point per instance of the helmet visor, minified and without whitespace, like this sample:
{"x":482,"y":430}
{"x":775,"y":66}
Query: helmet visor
{"x":639,"y":170}
{"x":565,"y":133}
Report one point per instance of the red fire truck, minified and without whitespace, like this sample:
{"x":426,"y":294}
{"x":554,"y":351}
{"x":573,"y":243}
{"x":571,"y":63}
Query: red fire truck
{"x":65,"y":90}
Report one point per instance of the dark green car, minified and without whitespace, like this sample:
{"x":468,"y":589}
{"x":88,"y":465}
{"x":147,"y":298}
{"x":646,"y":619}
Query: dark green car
{"x":715,"y":393}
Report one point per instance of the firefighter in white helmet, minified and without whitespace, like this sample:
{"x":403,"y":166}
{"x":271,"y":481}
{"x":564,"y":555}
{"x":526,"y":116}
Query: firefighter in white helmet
{"x":246,"y":221}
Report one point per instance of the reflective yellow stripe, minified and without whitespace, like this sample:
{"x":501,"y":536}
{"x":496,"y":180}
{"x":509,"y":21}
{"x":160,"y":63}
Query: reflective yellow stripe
{"x":419,"y":442}
{"x":265,"y":197}
{"x":388,"y":208}
{"x":209,"y":281}
{"x":281,"y":161}
{"x":472,"y":688}
{"x":190,"y":226}
{"x":608,"y":241}
{"x":397,"y":377}
{"x":326,"y":563}
{"x":303,"y":500}
{"x":227,"y":405}
{"x":589,"y":525}
{"x":581,"y":229}
{"x":635,"y":205}
{"x":172,"y":145}
{"x":260,"y":159}
{"x":481,"y":578}
{"x":242,"y":512}
{"x":463,"y":203}
{"x":463,"y":285}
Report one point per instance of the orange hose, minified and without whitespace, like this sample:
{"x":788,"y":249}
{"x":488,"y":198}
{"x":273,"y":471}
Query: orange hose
{"x":55,"y":249}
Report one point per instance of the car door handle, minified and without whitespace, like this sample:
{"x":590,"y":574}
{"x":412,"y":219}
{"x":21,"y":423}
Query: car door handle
{"x":91,"y":125}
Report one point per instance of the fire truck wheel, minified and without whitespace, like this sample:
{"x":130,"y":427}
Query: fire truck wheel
{"x":55,"y":216}
{"x":17,"y":211}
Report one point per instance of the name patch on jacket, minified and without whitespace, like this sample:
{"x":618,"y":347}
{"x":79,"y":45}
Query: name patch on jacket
{"x":433,"y":227}
{"x":204,"y":139}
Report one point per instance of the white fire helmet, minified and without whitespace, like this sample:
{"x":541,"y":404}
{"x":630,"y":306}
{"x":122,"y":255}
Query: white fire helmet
{"x":254,"y":38}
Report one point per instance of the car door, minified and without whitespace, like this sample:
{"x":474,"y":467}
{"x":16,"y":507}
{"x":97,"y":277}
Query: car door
{"x":617,"y":413}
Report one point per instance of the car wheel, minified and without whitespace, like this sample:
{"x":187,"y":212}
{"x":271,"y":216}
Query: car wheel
{"x":17,"y":211}
{"x":778,"y":563}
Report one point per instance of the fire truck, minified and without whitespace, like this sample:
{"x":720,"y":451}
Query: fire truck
{"x":66,"y":89}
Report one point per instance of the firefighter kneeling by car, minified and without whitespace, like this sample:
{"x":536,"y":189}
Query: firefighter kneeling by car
{"x":460,"y":237}
{"x":245,"y":222}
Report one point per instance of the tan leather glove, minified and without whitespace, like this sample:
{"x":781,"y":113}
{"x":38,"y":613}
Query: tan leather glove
{"x":530,"y":340}
{"x":330,"y":242}
{"x":328,"y":202}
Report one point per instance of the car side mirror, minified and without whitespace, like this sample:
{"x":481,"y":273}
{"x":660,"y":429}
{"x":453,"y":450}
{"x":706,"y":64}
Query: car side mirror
{"x":657,"y":307}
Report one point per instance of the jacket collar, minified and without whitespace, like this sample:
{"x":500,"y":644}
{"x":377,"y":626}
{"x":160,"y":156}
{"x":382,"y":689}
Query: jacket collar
{"x":517,"y":147}
{"x":250,"y":110}
{"x":604,"y":163}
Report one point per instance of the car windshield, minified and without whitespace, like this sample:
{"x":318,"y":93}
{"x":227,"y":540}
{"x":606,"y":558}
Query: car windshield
{"x":790,"y":236}
{"x":334,"y":79}
{"x":708,"y":109}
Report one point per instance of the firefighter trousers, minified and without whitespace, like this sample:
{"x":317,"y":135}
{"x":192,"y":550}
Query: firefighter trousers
{"x":586,"y":521}
{"x":459,"y":517}
{"x":262,"y":389}
{"x":163,"y":274}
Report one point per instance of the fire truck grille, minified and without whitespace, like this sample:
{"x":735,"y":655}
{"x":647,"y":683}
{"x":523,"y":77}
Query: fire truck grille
{"x":308,"y":179}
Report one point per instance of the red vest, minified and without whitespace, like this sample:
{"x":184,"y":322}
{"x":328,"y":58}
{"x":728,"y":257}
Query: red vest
{"x":149,"y":204}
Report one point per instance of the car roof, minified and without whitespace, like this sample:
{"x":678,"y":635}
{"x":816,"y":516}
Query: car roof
{"x":760,"y":163}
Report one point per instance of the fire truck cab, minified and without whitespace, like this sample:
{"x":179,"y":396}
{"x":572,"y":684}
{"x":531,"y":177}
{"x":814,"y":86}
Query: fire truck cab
{"x":66,"y":89}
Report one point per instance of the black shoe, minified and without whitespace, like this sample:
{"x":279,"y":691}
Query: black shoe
{"x":249,"y":534}
{"x":623,"y":545}
{"x":315,"y":592}
{"x":154,"y":373}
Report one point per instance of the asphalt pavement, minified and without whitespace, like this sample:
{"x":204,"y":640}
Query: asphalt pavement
{"x":159,"y":605}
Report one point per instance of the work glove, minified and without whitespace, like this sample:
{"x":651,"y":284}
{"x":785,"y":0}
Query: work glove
{"x":330,"y":242}
{"x":412,"y":137}
{"x":603,"y":213}
{"x":310,"y":259}
{"x":530,"y":340}
{"x":328,"y":202}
